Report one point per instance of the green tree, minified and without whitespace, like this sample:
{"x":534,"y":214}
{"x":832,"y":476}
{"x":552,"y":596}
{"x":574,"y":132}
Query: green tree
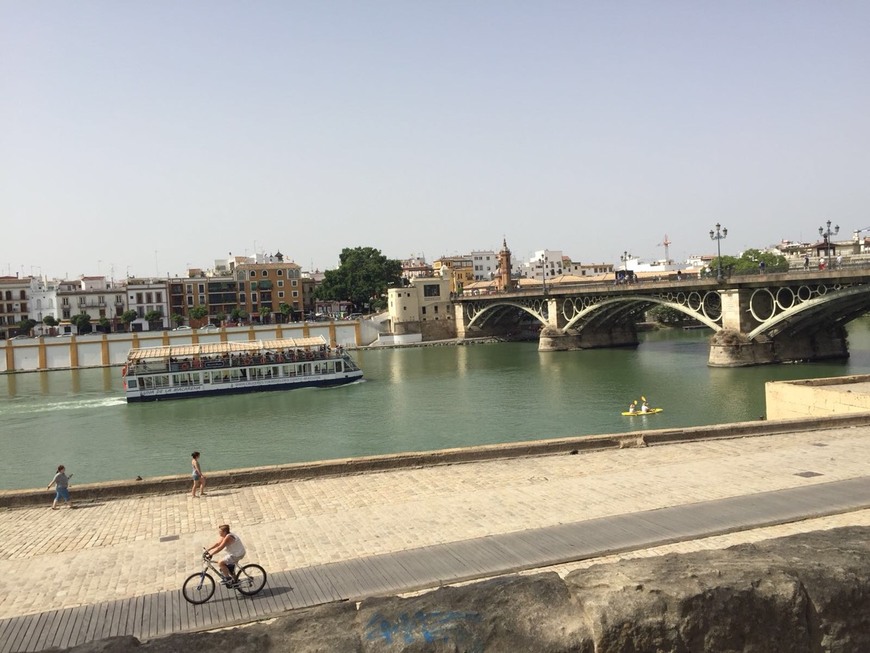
{"x":177,"y":319}
{"x":82,"y":323}
{"x":105,"y":324}
{"x":127,"y":317}
{"x":50,"y":321}
{"x":285,"y":310}
{"x":26,"y":326}
{"x":199,"y":313}
{"x":750,"y":263}
{"x":265,"y":311}
{"x":154,"y":318}
{"x":362,"y":277}
{"x":238,"y":314}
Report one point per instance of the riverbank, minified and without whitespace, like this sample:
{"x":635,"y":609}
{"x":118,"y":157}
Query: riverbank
{"x":425,"y":459}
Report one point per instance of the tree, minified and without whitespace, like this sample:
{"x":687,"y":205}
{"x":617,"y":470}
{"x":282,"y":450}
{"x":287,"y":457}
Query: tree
{"x":153,"y":317}
{"x":238,"y":314}
{"x":750,"y":263}
{"x":26,"y":326}
{"x":105,"y":324}
{"x":362,"y":277}
{"x":127,"y":317}
{"x":264,"y":314}
{"x":177,"y":319}
{"x":82,"y":323}
{"x":49,"y":321}
{"x":199,"y":312}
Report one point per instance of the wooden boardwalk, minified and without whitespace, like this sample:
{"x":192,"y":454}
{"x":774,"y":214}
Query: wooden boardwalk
{"x":162,"y":613}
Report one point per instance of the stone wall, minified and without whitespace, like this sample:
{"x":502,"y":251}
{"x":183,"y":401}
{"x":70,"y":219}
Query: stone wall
{"x":807,"y":593}
{"x":817,"y":397}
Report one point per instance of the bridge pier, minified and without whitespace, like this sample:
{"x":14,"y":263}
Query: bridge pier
{"x":729,"y":348}
{"x":620,"y":335}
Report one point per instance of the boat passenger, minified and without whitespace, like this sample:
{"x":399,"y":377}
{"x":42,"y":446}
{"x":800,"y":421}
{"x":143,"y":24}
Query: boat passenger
{"x":632,"y":407}
{"x":644,"y":408}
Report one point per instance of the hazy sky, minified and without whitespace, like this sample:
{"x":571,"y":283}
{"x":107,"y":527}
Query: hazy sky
{"x":140,"y":137}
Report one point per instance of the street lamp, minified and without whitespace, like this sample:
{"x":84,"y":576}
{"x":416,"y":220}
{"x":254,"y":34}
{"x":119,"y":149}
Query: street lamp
{"x":720,"y":233}
{"x":827,"y":236}
{"x":543,"y":260}
{"x":625,"y":258}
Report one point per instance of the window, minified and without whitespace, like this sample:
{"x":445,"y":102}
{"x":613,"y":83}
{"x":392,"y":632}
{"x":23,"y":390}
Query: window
{"x":265,"y":273}
{"x":280,"y":282}
{"x":294,"y":283}
{"x":280,"y":274}
{"x":280,"y":294}
{"x":253,"y":274}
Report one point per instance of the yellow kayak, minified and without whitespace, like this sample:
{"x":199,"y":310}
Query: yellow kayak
{"x":651,"y":411}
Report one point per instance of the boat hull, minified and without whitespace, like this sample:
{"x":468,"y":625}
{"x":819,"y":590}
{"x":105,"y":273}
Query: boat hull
{"x":242,"y":387}
{"x":651,"y":411}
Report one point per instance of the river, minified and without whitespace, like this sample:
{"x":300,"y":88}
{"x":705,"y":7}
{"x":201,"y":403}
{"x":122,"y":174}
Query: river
{"x":412,"y":399}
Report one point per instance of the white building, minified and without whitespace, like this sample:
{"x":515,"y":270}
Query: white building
{"x":145,"y":296}
{"x":43,"y":298}
{"x":485,"y":265}
{"x":544,"y":263}
{"x":95,"y":296}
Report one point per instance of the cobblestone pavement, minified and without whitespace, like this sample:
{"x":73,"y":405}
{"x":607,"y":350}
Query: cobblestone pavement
{"x":51,"y":559}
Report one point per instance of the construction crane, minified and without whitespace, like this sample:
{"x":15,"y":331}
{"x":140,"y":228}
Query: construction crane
{"x":666,"y":243}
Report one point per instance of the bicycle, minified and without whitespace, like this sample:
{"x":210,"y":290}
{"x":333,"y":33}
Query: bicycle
{"x":245,"y":579}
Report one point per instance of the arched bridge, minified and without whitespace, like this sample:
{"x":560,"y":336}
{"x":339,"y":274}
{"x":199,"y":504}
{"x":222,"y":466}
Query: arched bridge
{"x":755,"y":319}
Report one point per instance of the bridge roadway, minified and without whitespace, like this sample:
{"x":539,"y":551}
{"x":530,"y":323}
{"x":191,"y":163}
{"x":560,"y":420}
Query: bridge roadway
{"x":115,"y":567}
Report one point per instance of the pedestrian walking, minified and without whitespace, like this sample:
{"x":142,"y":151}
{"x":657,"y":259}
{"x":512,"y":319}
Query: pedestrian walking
{"x":61,"y":487}
{"x":198,"y":476}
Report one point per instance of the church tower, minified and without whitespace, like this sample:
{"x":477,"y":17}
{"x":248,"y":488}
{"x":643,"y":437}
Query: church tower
{"x":505,"y":282}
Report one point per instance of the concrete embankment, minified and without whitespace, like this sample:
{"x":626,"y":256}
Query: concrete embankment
{"x":349,"y":466}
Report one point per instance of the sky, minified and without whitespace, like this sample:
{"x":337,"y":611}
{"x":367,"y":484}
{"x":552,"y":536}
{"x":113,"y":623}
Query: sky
{"x":143,"y":138}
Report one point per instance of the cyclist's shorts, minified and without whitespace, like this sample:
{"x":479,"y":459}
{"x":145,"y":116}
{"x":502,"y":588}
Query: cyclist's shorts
{"x":232,"y":560}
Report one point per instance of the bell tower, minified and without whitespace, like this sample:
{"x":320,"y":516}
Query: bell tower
{"x":504,"y":268}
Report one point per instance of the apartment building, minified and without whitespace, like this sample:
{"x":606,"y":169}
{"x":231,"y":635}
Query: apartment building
{"x":264,"y":285}
{"x":148,"y":296}
{"x":14,"y":304}
{"x":96,"y":296}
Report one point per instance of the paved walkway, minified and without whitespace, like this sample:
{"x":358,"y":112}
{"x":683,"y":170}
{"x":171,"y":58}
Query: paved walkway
{"x":136,"y":547}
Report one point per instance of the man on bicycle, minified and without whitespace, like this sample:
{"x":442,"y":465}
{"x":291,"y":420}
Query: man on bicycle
{"x":234,"y":548}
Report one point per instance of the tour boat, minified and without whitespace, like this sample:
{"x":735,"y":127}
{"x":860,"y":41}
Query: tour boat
{"x":214,"y":368}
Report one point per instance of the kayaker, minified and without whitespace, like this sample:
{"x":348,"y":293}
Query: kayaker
{"x":644,"y":408}
{"x":632,"y":407}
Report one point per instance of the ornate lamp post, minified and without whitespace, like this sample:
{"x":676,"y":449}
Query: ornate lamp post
{"x":826,"y":234}
{"x":717,"y":235}
{"x":625,"y":258}
{"x":543,"y":260}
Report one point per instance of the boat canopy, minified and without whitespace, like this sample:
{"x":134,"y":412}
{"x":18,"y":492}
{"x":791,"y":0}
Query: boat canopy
{"x":218,"y":348}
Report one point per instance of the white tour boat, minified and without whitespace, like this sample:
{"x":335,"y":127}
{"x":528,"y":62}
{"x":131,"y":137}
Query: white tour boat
{"x":180,"y":371}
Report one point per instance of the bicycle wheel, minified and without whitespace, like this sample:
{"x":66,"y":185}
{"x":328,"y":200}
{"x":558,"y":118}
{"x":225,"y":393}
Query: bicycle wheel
{"x":252,"y":578}
{"x":198,"y":588}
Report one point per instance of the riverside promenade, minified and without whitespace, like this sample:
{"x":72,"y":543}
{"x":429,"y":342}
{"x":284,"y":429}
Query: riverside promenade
{"x":115,"y":565}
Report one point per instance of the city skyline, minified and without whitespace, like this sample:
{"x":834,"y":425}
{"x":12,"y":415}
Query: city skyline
{"x":137,"y":136}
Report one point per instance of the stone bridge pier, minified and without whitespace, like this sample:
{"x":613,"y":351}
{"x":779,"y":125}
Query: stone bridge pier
{"x":557,"y":335}
{"x":756,"y":331}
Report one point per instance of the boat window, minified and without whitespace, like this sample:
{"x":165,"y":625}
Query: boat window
{"x":131,"y":383}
